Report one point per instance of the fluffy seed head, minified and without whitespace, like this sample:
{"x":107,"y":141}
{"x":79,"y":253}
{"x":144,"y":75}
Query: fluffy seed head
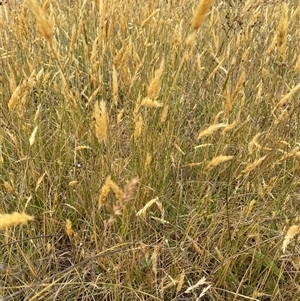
{"x":154,"y":85}
{"x":104,"y":193}
{"x":291,"y":233}
{"x":199,"y":16}
{"x":217,"y":160}
{"x":68,"y":228}
{"x":212,"y":129}
{"x":46,"y":29}
{"x":13,"y":219}
{"x":101,"y":120}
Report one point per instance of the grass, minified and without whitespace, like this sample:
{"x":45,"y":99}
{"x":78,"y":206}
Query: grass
{"x":156,"y":146}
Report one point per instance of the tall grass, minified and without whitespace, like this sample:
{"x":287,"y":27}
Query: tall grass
{"x":156,"y":145}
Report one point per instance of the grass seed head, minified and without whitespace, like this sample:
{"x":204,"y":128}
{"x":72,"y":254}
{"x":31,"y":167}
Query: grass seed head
{"x":14,"y":98}
{"x":46,"y":29}
{"x":201,"y":10}
{"x":101,"y":119}
{"x":104,"y":193}
{"x":217,"y":160}
{"x":251,"y":166}
{"x":154,"y":85}
{"x":129,"y":191}
{"x":32,"y":136}
{"x":115,"y":86}
{"x":211,"y":130}
{"x":291,"y":233}
{"x":143,"y":211}
{"x":164,"y":114}
{"x":297,"y":65}
{"x":13,"y":219}
{"x":138,"y":128}
{"x":115,"y":188}
{"x":148,"y":102}
{"x":8,"y":187}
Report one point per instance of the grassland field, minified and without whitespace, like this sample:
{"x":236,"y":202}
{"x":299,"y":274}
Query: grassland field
{"x":149,"y":150}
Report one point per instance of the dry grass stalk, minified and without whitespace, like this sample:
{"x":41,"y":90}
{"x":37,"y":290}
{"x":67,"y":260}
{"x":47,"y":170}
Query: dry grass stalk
{"x":217,"y":117}
{"x":14,"y":219}
{"x":228,"y":102}
{"x":291,"y":154}
{"x":138,"y":128}
{"x":291,"y":233}
{"x":253,"y":143}
{"x":143,"y":211}
{"x":282,"y":31}
{"x":39,"y":181}
{"x":201,"y":10}
{"x":229,"y":127}
{"x":101,"y":119}
{"x":148,"y":19}
{"x":212,"y":74}
{"x":211,"y":130}
{"x":94,"y":94}
{"x":115,"y":86}
{"x":285,"y":98}
{"x":72,"y":41}
{"x":239,"y":85}
{"x":216,"y":161}
{"x":251,"y":166}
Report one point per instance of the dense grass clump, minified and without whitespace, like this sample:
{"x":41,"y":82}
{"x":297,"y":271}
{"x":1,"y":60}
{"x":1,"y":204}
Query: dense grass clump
{"x":153,"y":149}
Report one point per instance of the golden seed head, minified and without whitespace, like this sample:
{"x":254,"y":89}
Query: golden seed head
{"x":201,"y":10}
{"x":101,"y":120}
{"x":14,"y":219}
{"x":291,"y":233}
{"x":211,"y":130}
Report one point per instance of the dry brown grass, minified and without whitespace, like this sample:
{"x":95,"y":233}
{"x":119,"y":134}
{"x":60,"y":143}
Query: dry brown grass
{"x":157,"y":146}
